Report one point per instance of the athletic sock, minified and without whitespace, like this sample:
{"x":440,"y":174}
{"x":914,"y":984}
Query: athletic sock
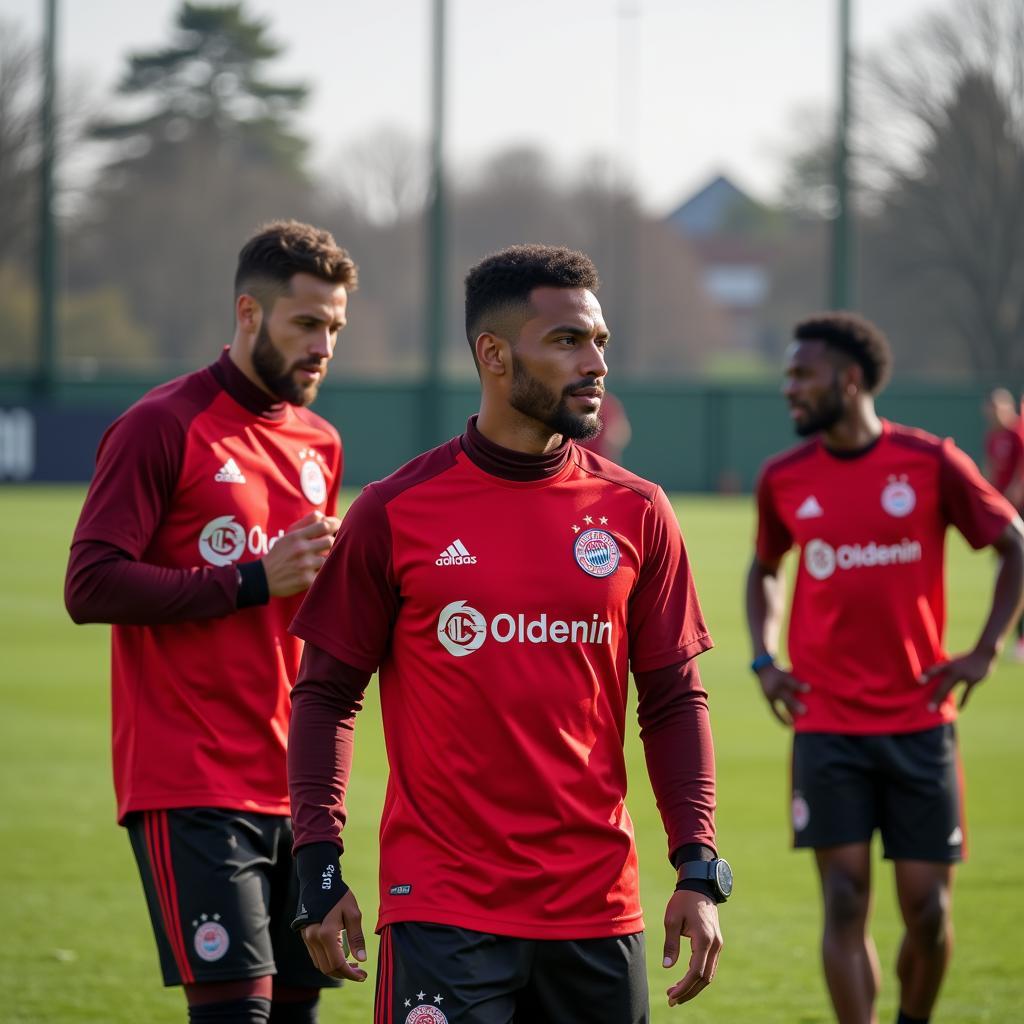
{"x":250,"y":1010}
{"x":905,"y":1018}
{"x":295,"y":1013}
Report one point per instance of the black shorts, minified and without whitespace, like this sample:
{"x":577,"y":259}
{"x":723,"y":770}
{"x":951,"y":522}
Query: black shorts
{"x":222,"y":892}
{"x":438,"y":974}
{"x":906,"y":785}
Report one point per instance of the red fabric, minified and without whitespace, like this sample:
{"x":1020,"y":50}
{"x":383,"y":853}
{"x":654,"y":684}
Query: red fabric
{"x":200,"y":474}
{"x":869,"y":608}
{"x":503,"y":678}
{"x":1004,"y":449}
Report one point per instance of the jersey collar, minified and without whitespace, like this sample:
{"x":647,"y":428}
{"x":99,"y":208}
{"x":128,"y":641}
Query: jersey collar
{"x":508,"y":464}
{"x":244,"y":392}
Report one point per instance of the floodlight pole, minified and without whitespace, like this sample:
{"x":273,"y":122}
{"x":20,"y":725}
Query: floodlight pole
{"x":841,"y":291}
{"x":436,"y":247}
{"x":46,"y":368}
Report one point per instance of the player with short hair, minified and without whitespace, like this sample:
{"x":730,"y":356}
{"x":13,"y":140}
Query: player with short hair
{"x":504,"y":584}
{"x":870,"y":690}
{"x":1004,"y":463}
{"x":211,"y":511}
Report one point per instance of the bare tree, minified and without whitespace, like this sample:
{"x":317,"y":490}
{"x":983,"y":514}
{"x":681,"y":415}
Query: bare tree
{"x":19,"y":142}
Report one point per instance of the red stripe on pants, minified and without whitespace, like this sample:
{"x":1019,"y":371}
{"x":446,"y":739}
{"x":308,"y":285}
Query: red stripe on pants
{"x":158,"y":842}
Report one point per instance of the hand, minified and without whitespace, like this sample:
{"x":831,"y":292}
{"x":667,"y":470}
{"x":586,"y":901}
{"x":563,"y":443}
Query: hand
{"x":326,"y":941}
{"x":695,"y":915}
{"x":780,"y":690}
{"x":296,"y":558}
{"x":970,"y":669}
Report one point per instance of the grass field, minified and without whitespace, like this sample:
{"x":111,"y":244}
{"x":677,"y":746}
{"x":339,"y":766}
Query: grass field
{"x":76,"y":944}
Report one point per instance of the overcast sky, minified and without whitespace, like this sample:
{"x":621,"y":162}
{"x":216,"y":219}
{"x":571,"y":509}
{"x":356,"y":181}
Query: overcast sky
{"x":677,"y":90}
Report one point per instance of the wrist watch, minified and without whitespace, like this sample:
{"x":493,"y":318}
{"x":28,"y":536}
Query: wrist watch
{"x":717,"y":872}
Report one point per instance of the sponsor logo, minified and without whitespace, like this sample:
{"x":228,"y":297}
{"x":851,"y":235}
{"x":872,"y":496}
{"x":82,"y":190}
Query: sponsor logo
{"x":455,"y":554}
{"x":597,"y":553}
{"x":400,"y":890}
{"x":462,"y":630}
{"x":821,"y":559}
{"x":311,"y":478}
{"x":229,"y":473}
{"x":801,"y":813}
{"x":223,"y":541}
{"x":426,"y":1014}
{"x":810,"y":509}
{"x":898,"y":497}
{"x":211,"y":941}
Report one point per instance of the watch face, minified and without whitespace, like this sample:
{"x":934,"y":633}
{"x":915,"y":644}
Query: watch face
{"x":723,"y":876}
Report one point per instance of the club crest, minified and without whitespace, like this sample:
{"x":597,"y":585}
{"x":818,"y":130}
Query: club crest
{"x":211,"y":941}
{"x":596,"y":553}
{"x":898,"y":497}
{"x":426,"y":1014}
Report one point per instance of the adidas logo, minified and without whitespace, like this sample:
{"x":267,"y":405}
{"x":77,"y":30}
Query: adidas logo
{"x":810,"y":509}
{"x":956,"y":837}
{"x":455,"y":554}
{"x":229,"y":473}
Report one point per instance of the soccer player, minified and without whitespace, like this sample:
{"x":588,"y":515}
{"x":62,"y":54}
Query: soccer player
{"x":504,"y":584}
{"x":211,"y":511}
{"x":870,"y":691}
{"x":615,"y":433}
{"x":1004,"y":463}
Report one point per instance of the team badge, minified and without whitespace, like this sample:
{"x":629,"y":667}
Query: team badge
{"x":211,"y":941}
{"x":314,"y":486}
{"x":425,"y":1014}
{"x":898,"y":497}
{"x":597,"y":553}
{"x":222,"y":540}
{"x":819,"y":559}
{"x":801,"y":813}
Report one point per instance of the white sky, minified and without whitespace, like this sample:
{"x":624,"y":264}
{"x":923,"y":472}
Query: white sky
{"x":677,"y":90}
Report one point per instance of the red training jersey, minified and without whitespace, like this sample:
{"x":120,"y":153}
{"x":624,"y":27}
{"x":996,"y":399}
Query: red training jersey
{"x":1004,"y":451}
{"x":504,"y":616}
{"x":869,"y":610}
{"x":201,"y":474}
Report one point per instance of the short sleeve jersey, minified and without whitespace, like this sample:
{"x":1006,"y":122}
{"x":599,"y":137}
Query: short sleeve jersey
{"x":194,"y":477}
{"x":869,"y":607}
{"x":504,"y":617}
{"x":1004,"y":448}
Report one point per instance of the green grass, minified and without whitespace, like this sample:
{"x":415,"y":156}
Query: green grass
{"x":76,"y":945}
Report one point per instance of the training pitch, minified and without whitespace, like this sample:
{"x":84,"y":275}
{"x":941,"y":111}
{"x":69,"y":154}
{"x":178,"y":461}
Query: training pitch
{"x":76,"y":944}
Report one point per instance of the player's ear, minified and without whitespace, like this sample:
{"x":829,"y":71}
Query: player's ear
{"x":852,"y":378}
{"x":248,"y":313}
{"x":492,"y":354}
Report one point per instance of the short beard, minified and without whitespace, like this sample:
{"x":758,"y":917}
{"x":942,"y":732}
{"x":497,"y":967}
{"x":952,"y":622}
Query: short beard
{"x":279,"y":378}
{"x":828,"y":413}
{"x":533,"y":399}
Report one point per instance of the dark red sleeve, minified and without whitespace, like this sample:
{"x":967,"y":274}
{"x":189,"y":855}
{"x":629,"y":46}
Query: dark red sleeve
{"x":969,"y":501}
{"x":325,"y":699}
{"x":103,"y":584}
{"x":351,"y":606}
{"x":675,"y":728}
{"x":136,"y":472}
{"x":773,"y":536}
{"x":665,"y":622}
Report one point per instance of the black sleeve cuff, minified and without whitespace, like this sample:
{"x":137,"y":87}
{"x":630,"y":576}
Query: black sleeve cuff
{"x":320,"y":884}
{"x":252,"y":585}
{"x":700,"y":885}
{"x":691,"y":851}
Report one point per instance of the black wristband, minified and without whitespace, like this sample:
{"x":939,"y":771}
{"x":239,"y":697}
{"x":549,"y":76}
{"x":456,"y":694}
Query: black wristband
{"x":320,"y":884}
{"x":252,"y":585}
{"x":701,"y":885}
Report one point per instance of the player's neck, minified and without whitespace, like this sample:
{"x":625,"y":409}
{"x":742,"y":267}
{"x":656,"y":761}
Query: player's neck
{"x":510,"y":429}
{"x":858,"y":429}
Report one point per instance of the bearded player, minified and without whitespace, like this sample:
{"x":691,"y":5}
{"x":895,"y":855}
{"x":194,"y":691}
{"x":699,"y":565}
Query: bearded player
{"x":870,"y":691}
{"x":504,"y":584}
{"x":210,"y":513}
